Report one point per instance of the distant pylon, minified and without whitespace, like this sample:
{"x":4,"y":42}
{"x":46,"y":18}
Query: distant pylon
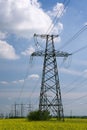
{"x":50,"y":93}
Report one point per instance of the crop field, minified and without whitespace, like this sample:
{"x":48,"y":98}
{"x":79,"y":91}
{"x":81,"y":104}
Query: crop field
{"x":23,"y":124}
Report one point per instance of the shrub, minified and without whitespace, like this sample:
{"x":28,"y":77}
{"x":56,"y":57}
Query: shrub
{"x":39,"y":115}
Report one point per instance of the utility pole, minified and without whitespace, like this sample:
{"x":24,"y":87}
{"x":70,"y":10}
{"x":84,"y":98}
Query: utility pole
{"x":22,"y":109}
{"x":70,"y":113}
{"x":15,"y":111}
{"x":29,"y":108}
{"x":50,"y":93}
{"x":21,"y":106}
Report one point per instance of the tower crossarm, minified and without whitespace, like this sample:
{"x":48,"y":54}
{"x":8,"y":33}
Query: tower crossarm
{"x":62,"y":54}
{"x":57,"y":53}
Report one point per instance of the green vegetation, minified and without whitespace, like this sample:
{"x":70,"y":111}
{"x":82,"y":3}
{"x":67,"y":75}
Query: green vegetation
{"x":39,"y":115}
{"x":23,"y":124}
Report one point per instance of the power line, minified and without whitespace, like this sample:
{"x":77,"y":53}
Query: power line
{"x":37,"y":44}
{"x":57,"y":17}
{"x":23,"y":85}
{"x":33,"y":90}
{"x":74,"y":37}
{"x":52,"y":25}
{"x":80,"y":49}
{"x":73,"y":82}
{"x":50,"y":79}
{"x":77,"y":99}
{"x":66,"y":2}
{"x":75,"y":87}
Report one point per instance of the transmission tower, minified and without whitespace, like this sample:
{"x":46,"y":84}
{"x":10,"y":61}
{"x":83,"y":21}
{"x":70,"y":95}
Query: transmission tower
{"x":50,"y":93}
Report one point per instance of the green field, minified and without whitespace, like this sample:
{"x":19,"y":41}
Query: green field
{"x":23,"y":124}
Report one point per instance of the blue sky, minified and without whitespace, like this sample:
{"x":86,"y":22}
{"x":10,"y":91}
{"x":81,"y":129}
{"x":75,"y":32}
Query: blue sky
{"x":19,"y":78}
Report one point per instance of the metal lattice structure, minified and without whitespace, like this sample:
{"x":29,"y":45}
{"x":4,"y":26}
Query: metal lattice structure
{"x":50,"y":93}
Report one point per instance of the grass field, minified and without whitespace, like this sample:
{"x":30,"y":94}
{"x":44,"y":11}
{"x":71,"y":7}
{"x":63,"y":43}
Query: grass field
{"x":23,"y":124}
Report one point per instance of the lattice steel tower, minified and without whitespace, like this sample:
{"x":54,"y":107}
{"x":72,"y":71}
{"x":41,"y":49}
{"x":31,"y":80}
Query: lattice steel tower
{"x":50,"y":94}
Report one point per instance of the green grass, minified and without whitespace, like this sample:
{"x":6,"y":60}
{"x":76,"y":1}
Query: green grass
{"x":23,"y":124}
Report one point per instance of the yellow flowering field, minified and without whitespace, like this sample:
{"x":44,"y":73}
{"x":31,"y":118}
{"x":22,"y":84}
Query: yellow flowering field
{"x":23,"y":124}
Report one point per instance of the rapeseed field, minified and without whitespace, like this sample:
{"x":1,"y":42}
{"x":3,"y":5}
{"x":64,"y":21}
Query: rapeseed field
{"x":23,"y":124}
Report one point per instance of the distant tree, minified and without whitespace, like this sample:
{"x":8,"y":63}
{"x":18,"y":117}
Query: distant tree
{"x":39,"y":115}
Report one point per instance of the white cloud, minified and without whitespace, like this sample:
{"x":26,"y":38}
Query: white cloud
{"x":35,"y":3}
{"x":14,"y":82}
{"x":23,"y":18}
{"x":33,"y":76}
{"x":4,"y":83}
{"x":58,"y":29}
{"x":26,"y":17}
{"x":7,"y":51}
{"x":21,"y":81}
{"x":28,"y":51}
{"x":58,"y":10}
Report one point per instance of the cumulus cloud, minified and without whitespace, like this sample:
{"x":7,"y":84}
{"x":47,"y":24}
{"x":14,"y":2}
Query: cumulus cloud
{"x":26,"y":17}
{"x":23,"y":18}
{"x":58,"y":10}
{"x":58,"y":29}
{"x":7,"y":51}
{"x":28,"y":51}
